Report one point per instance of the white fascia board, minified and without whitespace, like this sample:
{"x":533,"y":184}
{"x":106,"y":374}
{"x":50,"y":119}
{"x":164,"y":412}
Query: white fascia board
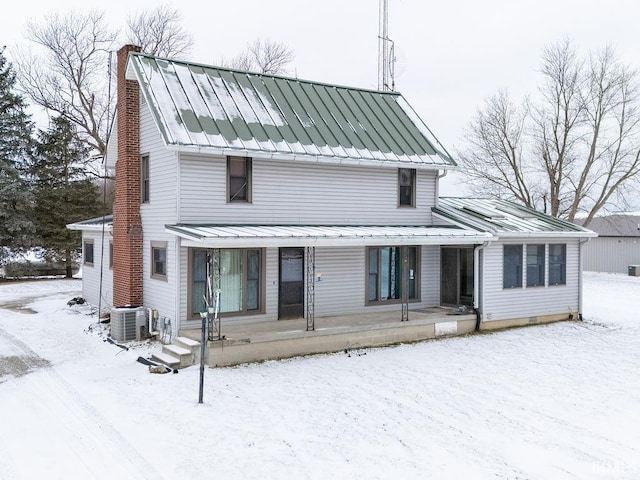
{"x":544,"y":235}
{"x":89,"y":228}
{"x":292,"y":241}
{"x":296,"y":157}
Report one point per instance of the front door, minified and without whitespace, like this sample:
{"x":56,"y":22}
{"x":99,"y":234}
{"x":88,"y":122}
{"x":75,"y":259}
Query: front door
{"x":291,"y":292}
{"x":456,"y":276}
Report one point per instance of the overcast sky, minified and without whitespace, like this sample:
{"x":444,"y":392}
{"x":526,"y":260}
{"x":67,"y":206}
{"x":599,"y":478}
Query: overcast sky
{"x":452,"y":54}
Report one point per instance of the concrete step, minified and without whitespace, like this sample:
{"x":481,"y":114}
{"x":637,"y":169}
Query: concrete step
{"x":185,"y":356}
{"x":186,"y":342}
{"x":189,"y":344}
{"x":166,"y":359}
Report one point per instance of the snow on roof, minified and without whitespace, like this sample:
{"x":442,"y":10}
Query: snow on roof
{"x":205,"y":108}
{"x":323,"y":235}
{"x":504,"y":217}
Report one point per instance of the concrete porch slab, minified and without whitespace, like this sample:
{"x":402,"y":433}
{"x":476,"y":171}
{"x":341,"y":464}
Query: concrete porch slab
{"x":271,"y":340}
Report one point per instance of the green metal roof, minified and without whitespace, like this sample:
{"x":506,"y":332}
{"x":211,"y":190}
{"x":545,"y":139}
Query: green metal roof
{"x":504,"y":218}
{"x":208,"y":108}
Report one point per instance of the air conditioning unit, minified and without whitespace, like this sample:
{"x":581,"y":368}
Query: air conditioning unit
{"x":128,"y":323}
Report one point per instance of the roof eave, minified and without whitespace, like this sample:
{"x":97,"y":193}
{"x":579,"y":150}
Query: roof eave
{"x":193,"y":239}
{"x":223,"y":152}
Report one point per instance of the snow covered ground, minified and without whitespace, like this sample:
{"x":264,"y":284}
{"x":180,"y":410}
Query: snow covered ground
{"x":560,"y":401}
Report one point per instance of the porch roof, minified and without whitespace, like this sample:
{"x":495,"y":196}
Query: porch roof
{"x":93,"y":224}
{"x":217,"y":236}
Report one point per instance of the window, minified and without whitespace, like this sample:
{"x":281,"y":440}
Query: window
{"x":384,"y":273}
{"x":238,"y":179}
{"x":241,"y":280}
{"x":144,"y":179}
{"x":159,"y":260}
{"x":407,"y":187}
{"x":535,"y":265}
{"x":557,"y":264}
{"x":512,"y":266}
{"x":88,"y":252}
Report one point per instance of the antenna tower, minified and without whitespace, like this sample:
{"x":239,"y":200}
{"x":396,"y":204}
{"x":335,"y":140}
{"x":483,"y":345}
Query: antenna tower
{"x":386,"y":56}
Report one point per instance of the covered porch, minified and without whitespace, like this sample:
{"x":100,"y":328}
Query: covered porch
{"x":232,"y":342}
{"x":236,"y":343}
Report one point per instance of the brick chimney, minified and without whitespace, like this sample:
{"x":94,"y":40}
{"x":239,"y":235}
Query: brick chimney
{"x":127,"y":224}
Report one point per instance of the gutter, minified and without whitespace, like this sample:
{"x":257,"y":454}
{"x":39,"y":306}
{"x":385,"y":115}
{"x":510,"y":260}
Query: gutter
{"x":580,"y":288}
{"x":476,"y":282}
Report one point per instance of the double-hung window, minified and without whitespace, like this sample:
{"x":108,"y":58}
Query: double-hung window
{"x":87,"y":250}
{"x":407,"y":187}
{"x":512,"y":266}
{"x":238,"y":179}
{"x":535,"y":265}
{"x":144,"y":179}
{"x":385,"y":273}
{"x":159,"y":260}
{"x":557,"y":264}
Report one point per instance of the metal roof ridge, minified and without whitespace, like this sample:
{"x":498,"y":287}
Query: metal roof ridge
{"x":258,"y":74}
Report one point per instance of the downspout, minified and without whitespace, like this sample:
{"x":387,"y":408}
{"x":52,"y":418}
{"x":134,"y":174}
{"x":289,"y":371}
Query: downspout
{"x":439,"y":176}
{"x":476,"y":282}
{"x":581,"y":242}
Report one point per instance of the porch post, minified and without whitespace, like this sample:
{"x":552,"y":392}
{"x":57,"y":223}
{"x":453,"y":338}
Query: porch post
{"x":213,"y":289}
{"x":404,"y":272}
{"x":311,"y":286}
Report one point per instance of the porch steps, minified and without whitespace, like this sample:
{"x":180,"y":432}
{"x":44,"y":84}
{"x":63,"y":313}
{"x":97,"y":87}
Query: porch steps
{"x":166,"y":359}
{"x":183,"y":352}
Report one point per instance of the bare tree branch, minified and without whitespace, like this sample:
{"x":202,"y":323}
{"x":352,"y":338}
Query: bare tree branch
{"x":69,"y":78}
{"x":159,"y":32}
{"x":581,"y":140}
{"x":263,"y":56}
{"x":494,"y":157}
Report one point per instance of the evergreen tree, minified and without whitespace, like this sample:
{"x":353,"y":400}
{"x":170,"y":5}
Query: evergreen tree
{"x":16,"y":228}
{"x":62,"y":190}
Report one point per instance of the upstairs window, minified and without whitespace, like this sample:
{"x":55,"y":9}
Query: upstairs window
{"x":144,"y":179}
{"x":238,"y":179}
{"x":557,"y":264}
{"x":512,"y":266}
{"x":407,"y":187}
{"x":535,"y":265}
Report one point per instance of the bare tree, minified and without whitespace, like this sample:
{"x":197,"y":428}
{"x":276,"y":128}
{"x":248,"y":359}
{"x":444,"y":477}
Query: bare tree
{"x":70,"y":78}
{"x":494,"y":159}
{"x":263,"y":56}
{"x":68,"y":74}
{"x":159,"y":32}
{"x":574,"y":150}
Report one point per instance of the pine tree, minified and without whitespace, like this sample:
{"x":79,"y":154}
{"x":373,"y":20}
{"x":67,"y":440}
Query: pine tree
{"x":62,"y":190}
{"x":16,"y":228}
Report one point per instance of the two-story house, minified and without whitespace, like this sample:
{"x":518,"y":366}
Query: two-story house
{"x":292,"y":199}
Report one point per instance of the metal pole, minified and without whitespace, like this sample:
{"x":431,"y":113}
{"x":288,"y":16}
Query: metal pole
{"x":203,"y":339}
{"x":404,"y":272}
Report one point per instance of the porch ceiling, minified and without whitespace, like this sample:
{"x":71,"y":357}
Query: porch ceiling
{"x":218,"y":236}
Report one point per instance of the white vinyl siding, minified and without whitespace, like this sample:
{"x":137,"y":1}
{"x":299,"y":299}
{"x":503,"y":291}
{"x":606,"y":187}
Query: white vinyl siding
{"x":159,"y":293}
{"x":302,"y":193}
{"x":91,"y":275}
{"x":523,"y":302}
{"x":341,"y":290}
